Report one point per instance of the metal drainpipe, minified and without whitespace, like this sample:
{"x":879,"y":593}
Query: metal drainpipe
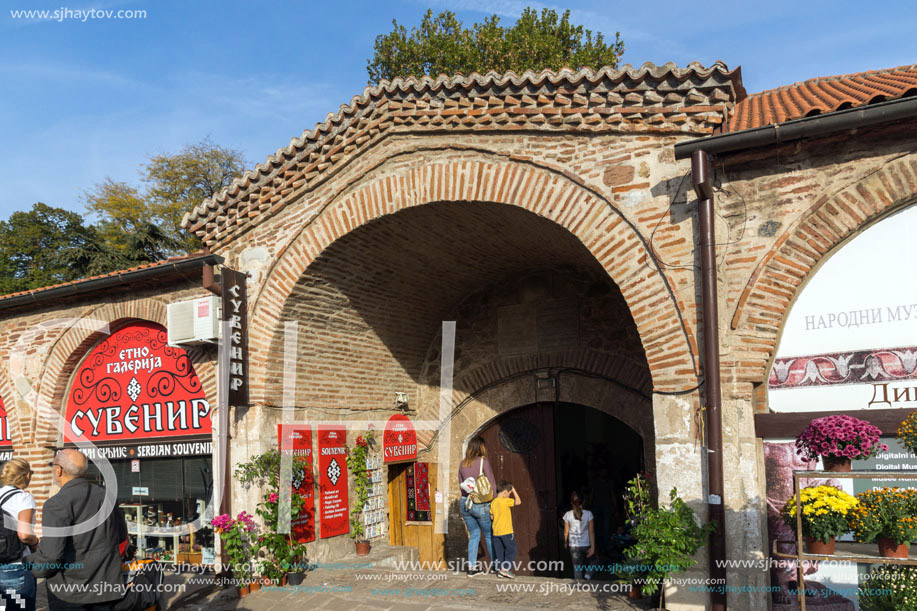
{"x":704,"y":190}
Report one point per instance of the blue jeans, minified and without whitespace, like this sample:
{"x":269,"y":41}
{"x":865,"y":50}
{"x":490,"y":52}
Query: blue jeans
{"x":580,"y":561}
{"x":477,"y":519}
{"x":505,"y":550}
{"x":19,"y":579}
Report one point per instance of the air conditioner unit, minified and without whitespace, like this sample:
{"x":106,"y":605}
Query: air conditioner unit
{"x":194,"y":322}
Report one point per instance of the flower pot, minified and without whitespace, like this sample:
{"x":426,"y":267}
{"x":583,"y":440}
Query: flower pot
{"x":362,"y":548}
{"x":244,"y":590}
{"x":294,"y":579}
{"x":283,"y":580}
{"x":255,"y":585}
{"x":266,"y":581}
{"x":817,"y":547}
{"x":889,"y":549}
{"x":635,"y":592}
{"x":836,"y":464}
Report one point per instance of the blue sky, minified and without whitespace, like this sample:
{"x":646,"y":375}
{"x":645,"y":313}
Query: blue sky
{"x":82,"y":101}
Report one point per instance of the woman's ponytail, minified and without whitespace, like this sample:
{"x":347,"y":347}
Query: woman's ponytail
{"x":577,"y":503}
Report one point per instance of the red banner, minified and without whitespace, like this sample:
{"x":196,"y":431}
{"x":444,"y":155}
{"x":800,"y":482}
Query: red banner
{"x":133,"y":386}
{"x":5,"y":440}
{"x":299,"y":442}
{"x":399,"y":440}
{"x":332,"y":481}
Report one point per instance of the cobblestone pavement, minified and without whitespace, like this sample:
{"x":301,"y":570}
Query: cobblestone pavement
{"x":372,"y":589}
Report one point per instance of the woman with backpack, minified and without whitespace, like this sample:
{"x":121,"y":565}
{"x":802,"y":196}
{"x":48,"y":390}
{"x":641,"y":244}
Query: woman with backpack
{"x":477,"y":483}
{"x":17,"y":540}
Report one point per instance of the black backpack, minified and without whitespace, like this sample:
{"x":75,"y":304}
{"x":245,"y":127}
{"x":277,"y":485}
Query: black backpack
{"x":11,"y":547}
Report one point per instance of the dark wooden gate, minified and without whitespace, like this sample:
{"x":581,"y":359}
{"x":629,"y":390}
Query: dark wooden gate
{"x":520,"y":445}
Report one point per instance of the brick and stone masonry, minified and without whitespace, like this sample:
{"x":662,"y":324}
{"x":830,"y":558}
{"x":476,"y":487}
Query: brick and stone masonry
{"x":545,"y":214}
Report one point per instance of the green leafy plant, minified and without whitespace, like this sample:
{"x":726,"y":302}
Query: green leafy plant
{"x":890,"y":587}
{"x":666,"y":537}
{"x":236,"y":538}
{"x":282,"y":554}
{"x":356,"y":463}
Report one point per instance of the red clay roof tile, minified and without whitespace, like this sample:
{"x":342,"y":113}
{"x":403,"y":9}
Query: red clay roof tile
{"x":162,"y":263}
{"x":822,"y":95}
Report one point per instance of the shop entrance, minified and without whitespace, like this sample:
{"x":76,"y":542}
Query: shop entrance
{"x":548,"y":450}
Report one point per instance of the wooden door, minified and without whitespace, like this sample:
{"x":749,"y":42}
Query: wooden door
{"x":520,"y":445}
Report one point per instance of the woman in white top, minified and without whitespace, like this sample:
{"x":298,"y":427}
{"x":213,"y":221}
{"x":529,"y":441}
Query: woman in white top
{"x":20,"y":505}
{"x":579,"y":535}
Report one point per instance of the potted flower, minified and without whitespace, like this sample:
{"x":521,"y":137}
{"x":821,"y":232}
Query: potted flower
{"x":888,"y":516}
{"x":825,"y":511}
{"x":356,"y":463}
{"x":889,"y":586}
{"x":666,"y":537}
{"x":284,"y":556}
{"x":907,"y":433}
{"x":839,"y":439}
{"x":235,"y":536}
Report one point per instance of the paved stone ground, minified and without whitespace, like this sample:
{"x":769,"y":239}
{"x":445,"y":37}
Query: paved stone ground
{"x":370,"y":589}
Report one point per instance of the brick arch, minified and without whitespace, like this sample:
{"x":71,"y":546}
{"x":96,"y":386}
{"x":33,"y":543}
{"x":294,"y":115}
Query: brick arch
{"x":68,"y":350}
{"x":486,"y":177}
{"x":765,"y":302}
{"x":620,"y":378}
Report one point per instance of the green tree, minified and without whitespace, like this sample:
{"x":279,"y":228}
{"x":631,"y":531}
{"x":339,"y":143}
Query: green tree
{"x":175,"y":183}
{"x":48,"y":245}
{"x":442,"y":45}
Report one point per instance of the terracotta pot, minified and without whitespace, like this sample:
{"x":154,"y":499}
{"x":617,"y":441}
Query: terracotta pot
{"x":266,"y":581}
{"x":817,"y":547}
{"x":888,"y":549}
{"x":283,"y":580}
{"x":836,"y":464}
{"x":362,"y":548}
{"x":244,"y":591}
{"x":255,"y":585}
{"x":635,"y":592}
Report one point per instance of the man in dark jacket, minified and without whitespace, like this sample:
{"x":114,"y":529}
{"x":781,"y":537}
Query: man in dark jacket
{"x":83,"y":570}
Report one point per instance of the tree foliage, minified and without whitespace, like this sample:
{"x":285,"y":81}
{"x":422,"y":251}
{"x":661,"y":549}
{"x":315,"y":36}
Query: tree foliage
{"x":175,"y":183}
{"x":442,"y":45}
{"x":43,"y":246}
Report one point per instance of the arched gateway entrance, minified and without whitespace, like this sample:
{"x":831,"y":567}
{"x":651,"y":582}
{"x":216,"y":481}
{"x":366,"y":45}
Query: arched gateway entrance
{"x":537,"y":319}
{"x":547,"y":450}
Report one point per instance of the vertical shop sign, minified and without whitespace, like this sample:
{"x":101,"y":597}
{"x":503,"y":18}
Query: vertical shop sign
{"x":399,"y":441}
{"x":299,"y":443}
{"x":234,"y":311}
{"x":332,"y":481}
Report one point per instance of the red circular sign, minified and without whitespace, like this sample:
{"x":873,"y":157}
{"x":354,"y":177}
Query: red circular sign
{"x":133,"y":386}
{"x":399,"y":441}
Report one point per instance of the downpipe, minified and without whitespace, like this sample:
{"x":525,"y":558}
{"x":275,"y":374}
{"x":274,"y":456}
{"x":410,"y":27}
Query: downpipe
{"x":700,"y":174}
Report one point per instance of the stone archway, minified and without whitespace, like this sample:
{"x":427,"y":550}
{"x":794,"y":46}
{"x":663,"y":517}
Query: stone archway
{"x":413,"y":181}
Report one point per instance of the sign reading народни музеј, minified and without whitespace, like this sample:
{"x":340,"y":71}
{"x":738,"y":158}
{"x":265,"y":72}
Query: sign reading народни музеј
{"x":133,"y":385}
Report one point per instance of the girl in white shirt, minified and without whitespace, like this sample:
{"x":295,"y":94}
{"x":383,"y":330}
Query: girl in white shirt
{"x":19,"y":504}
{"x":579,"y":535}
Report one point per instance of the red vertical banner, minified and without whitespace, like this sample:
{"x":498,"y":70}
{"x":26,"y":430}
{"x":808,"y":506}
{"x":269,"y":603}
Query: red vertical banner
{"x":6,"y":442}
{"x":299,"y":443}
{"x":332,"y":481}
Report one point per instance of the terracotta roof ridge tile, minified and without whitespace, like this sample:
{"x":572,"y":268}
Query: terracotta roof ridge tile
{"x":418,"y":85}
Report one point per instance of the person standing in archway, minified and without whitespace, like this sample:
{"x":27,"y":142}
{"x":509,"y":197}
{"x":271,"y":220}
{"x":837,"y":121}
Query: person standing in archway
{"x":475,"y":507}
